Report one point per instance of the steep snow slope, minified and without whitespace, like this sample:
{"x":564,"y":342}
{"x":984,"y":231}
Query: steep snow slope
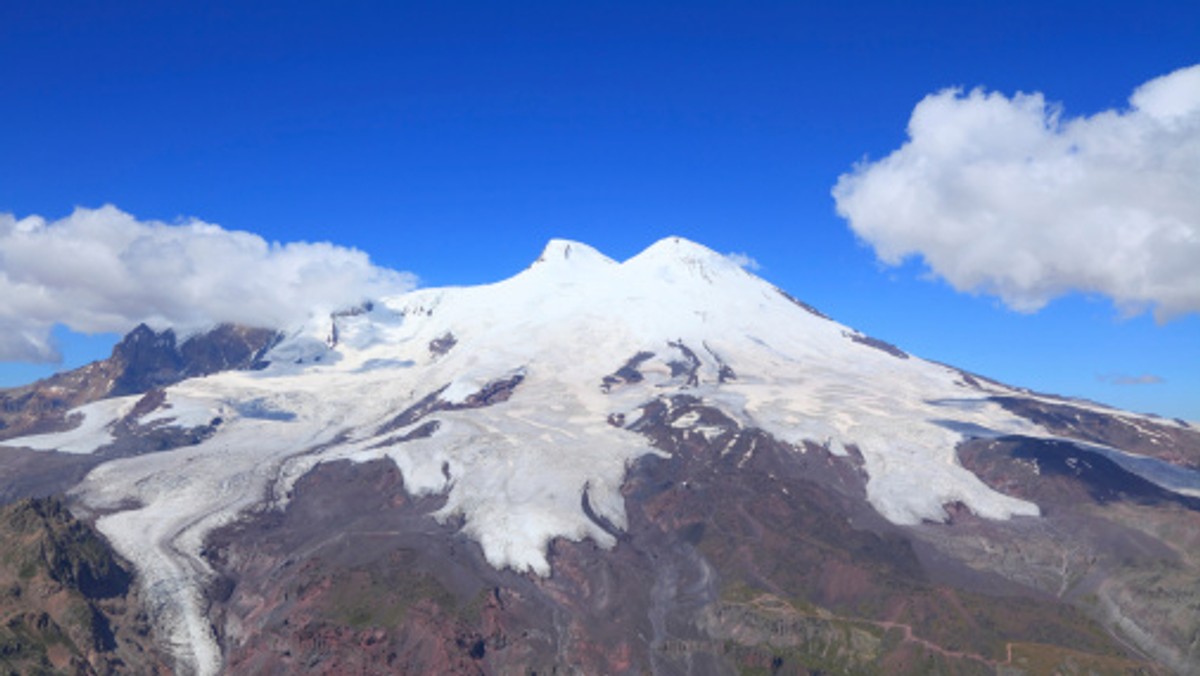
{"x":514,"y":399}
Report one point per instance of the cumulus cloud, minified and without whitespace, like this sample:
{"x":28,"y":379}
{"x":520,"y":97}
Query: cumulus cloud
{"x":744,"y":261}
{"x":1007,"y":196}
{"x":102,"y":270}
{"x":1123,"y":379}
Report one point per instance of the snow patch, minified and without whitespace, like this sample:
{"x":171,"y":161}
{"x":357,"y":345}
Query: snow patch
{"x":93,"y":432}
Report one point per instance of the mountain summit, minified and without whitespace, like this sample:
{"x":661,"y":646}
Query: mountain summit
{"x":670,"y":428}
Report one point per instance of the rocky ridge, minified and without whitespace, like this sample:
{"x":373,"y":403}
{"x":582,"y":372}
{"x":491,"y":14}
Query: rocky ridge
{"x":142,"y":363}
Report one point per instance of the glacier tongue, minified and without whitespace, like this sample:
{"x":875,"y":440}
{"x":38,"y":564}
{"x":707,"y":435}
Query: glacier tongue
{"x":430,"y":380}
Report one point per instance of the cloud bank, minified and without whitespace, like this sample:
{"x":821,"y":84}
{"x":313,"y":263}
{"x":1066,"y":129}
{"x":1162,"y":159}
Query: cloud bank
{"x":102,"y":270}
{"x":1006,"y":196}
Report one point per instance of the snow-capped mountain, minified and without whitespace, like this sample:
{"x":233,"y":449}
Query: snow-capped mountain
{"x":526,"y":418}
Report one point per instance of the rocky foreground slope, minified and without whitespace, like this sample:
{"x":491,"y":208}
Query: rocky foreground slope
{"x":663,"y":465}
{"x":67,"y":604}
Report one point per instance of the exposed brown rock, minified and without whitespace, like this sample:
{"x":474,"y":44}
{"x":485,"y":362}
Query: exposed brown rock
{"x":628,"y":373}
{"x":67,"y":605}
{"x":881,"y":345}
{"x":491,"y":393}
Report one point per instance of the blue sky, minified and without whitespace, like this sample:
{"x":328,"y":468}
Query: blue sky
{"x":453,"y":139}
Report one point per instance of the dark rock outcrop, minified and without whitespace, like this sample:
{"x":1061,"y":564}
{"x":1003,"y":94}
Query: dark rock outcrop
{"x":1177,"y":445}
{"x":628,"y":373}
{"x":442,"y":344}
{"x":142,"y":361}
{"x":881,"y":345}
{"x":149,"y":359}
{"x":492,"y":393}
{"x":801,"y":304}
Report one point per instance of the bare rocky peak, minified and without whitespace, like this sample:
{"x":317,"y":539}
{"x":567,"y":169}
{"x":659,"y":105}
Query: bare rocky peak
{"x":151,"y":359}
{"x":145,"y":359}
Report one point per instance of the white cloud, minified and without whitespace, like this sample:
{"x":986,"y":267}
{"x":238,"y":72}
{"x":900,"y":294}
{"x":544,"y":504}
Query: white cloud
{"x":102,"y":270}
{"x":744,"y":261}
{"x":1007,"y":196}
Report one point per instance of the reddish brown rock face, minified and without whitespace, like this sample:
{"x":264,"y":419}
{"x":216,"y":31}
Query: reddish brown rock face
{"x":732,"y":560}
